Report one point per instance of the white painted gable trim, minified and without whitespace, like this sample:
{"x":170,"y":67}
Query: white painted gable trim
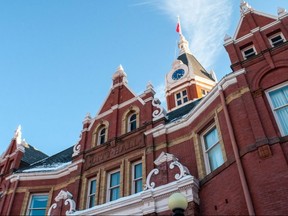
{"x":255,"y":12}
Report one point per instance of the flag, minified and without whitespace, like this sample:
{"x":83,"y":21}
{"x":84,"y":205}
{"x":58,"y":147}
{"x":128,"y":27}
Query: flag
{"x":178,"y":27}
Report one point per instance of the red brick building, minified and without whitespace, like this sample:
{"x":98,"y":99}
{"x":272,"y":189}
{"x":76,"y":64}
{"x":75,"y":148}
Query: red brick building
{"x":223,"y":145}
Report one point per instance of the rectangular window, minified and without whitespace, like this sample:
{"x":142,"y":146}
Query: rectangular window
{"x":213,"y":155}
{"x":278,"y":99}
{"x":91,"y":193}
{"x":37,"y":204}
{"x":137,"y":177}
{"x":181,"y":97}
{"x":113,"y":192}
{"x":276,"y":39}
{"x":248,"y":52}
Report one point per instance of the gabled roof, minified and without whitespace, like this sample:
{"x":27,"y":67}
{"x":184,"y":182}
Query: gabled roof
{"x":113,"y":98}
{"x":261,"y":19}
{"x":189,"y":60}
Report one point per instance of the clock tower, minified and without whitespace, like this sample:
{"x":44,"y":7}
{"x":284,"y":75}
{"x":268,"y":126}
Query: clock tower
{"x":187,"y":80}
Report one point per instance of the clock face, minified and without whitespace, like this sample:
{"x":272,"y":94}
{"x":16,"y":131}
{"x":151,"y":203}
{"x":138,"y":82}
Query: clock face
{"x":178,"y":74}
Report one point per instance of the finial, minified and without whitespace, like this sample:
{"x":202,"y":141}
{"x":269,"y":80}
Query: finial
{"x":227,"y":37}
{"x":119,"y":76}
{"x":281,"y":11}
{"x":87,"y":118}
{"x":120,"y":68}
{"x":244,"y":7}
{"x":149,"y":85}
{"x":18,"y":135}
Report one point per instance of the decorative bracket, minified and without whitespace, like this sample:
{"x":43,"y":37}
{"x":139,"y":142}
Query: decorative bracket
{"x":165,"y":158}
{"x":159,"y":112}
{"x":76,"y":149}
{"x":68,"y":197}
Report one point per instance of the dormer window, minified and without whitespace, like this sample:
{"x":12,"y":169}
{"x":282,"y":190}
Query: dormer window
{"x":248,"y":51}
{"x":276,"y":39}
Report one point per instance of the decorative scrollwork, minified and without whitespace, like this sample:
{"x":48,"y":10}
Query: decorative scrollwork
{"x":72,"y":206}
{"x":151,"y":185}
{"x":67,"y":196}
{"x":183,"y":170}
{"x":53,"y":206}
{"x":76,"y":149}
{"x":159,"y":111}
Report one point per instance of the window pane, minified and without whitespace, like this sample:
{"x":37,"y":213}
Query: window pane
{"x":103,"y":131}
{"x":211,"y":138}
{"x":249,"y":52}
{"x":114,"y":194}
{"x":38,"y":212}
{"x":92,"y":187}
{"x":115,"y":179}
{"x":102,"y":136}
{"x":179,"y":102}
{"x":184,"y":93}
{"x":138,"y":171}
{"x":133,"y":125}
{"x":185,"y":99}
{"x":138,"y":186}
{"x":283,"y":119}
{"x":215,"y":157}
{"x":38,"y":205}
{"x":39,"y":201}
{"x":91,"y":201}
{"x":132,"y":122}
{"x":279,"y":97}
{"x":277,"y":40}
{"x":133,"y":117}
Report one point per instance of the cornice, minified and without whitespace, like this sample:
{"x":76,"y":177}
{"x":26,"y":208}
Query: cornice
{"x":45,"y":175}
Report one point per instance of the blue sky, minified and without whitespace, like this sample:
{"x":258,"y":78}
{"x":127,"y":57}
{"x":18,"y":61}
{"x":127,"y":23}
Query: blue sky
{"x":57,"y":58}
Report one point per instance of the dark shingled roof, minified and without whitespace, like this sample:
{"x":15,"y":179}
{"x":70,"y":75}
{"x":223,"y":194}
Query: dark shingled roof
{"x":32,"y":155}
{"x":180,"y":112}
{"x":197,"y":68}
{"x":61,"y":157}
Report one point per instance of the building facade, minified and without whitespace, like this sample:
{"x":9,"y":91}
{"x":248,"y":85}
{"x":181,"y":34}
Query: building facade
{"x":223,"y":145}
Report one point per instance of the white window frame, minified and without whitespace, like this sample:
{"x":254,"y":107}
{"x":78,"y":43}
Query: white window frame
{"x":275,"y":35}
{"x":129,"y":122}
{"x":247,"y":48}
{"x":89,"y":194}
{"x":108,"y":184}
{"x":30,"y":202}
{"x":181,"y":98}
{"x":272,"y":107}
{"x":99,"y":135}
{"x":137,"y":179}
{"x":205,"y":152}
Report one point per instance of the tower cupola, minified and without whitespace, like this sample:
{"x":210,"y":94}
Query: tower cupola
{"x":187,"y":80}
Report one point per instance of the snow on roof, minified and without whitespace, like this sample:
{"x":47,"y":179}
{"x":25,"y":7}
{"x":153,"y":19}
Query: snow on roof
{"x":45,"y":168}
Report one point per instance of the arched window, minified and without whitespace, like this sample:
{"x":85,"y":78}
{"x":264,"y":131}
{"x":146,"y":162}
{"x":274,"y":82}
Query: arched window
{"x":102,"y":135}
{"x":130,"y":119}
{"x":132,"y":122}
